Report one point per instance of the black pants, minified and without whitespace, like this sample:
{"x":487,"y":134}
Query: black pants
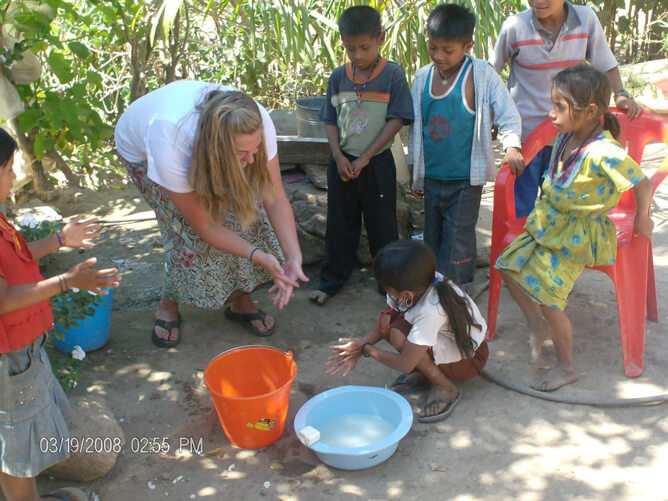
{"x":374,"y":195}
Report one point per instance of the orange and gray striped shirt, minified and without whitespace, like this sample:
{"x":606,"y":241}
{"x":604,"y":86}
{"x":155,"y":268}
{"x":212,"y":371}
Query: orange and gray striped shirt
{"x":535,"y":58}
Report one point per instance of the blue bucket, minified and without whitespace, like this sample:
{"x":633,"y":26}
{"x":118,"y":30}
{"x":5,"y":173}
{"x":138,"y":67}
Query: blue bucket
{"x":332,"y":405}
{"x":92,"y":333}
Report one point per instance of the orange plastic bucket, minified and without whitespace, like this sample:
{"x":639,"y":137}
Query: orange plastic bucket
{"x":250,"y":387}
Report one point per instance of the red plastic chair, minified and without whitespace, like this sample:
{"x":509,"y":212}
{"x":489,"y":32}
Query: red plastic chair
{"x":634,"y":253}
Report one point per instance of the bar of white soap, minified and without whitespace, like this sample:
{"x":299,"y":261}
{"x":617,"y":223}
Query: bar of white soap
{"x":309,"y":435}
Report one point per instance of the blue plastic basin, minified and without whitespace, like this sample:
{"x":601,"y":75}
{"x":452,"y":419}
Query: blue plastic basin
{"x":92,"y":333}
{"x":356,"y":400}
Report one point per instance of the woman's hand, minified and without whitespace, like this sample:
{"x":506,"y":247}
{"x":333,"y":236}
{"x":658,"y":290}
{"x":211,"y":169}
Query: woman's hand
{"x":82,"y":276}
{"x":293,"y":270}
{"x":282,"y":282}
{"x":344,"y":356}
{"x":76,"y":231}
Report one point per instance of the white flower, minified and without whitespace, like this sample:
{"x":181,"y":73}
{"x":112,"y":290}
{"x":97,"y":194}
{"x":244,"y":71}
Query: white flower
{"x":28,"y":221}
{"x":78,"y":353}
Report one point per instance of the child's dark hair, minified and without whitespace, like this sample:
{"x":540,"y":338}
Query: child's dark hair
{"x":7,"y":147}
{"x":450,"y":21}
{"x":410,"y":265}
{"x":359,"y":20}
{"x":582,"y":85}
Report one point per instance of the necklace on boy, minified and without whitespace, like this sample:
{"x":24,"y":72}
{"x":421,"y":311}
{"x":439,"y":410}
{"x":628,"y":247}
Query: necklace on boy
{"x":444,"y":78}
{"x":359,"y":93}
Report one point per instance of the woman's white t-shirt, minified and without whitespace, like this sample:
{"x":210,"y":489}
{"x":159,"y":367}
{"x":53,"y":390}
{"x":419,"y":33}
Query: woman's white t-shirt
{"x":160,"y":128}
{"x":431,"y":326}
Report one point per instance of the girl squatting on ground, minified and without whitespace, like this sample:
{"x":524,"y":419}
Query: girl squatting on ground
{"x":33,"y":406}
{"x":436,"y":328}
{"x":568,"y":228}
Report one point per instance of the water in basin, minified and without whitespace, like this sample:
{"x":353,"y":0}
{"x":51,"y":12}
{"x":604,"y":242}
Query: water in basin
{"x":354,"y":430}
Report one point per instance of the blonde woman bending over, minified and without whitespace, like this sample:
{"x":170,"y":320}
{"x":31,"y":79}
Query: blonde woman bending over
{"x":205,"y":159}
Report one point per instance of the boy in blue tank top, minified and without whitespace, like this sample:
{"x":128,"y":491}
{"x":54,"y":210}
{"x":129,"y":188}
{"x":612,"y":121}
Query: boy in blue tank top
{"x":455,"y":100}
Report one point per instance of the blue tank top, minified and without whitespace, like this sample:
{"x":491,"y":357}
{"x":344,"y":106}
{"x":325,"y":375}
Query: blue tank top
{"x":447,"y":129}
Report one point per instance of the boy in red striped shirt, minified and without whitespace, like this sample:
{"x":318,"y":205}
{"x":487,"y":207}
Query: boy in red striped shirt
{"x":538,"y":43}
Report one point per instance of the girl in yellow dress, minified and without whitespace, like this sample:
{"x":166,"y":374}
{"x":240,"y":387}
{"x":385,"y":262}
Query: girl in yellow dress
{"x":568,"y":228}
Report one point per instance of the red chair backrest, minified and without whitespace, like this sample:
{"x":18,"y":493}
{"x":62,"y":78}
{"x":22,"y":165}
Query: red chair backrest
{"x":635,"y":135}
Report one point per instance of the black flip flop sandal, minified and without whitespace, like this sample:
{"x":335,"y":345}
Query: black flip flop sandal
{"x":244,"y":319}
{"x":168,"y":326}
{"x":403,"y":384}
{"x":447,"y":410}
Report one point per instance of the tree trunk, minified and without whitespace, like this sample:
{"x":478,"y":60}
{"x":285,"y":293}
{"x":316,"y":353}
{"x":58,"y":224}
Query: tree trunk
{"x":72,"y":179}
{"x":172,"y":44}
{"x":40,"y":183}
{"x":612,"y":32}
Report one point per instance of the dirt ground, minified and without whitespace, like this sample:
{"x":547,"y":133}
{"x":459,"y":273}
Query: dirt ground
{"x":496,"y":445}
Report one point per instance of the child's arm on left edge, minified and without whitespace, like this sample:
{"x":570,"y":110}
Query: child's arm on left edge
{"x":643,"y":192}
{"x":508,"y":119}
{"x":386,"y":134}
{"x":73,"y":234}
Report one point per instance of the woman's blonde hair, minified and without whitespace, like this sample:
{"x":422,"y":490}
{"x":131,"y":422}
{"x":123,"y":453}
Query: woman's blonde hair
{"x":215,"y":172}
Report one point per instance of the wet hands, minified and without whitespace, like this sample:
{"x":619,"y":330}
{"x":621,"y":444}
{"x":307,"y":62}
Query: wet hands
{"x":344,"y":356}
{"x":285,"y":278}
{"x":82,"y":276}
{"x":515,"y":160}
{"x":76,"y":231}
{"x":293,"y":270}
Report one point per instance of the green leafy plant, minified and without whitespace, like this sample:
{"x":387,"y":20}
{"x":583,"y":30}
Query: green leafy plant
{"x":69,"y":308}
{"x":42,"y":230}
{"x":68,"y":371}
{"x":72,"y":306}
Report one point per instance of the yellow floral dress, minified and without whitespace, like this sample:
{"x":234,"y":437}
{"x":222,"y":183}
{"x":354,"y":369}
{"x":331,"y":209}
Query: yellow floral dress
{"x":568,"y":228}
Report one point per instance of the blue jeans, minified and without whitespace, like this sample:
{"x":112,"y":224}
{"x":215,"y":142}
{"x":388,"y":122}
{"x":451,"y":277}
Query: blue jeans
{"x":527,"y":184}
{"x":450,"y":215}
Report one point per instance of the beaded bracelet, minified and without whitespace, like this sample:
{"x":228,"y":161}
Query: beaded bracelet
{"x":366,"y":355}
{"x":60,"y":241}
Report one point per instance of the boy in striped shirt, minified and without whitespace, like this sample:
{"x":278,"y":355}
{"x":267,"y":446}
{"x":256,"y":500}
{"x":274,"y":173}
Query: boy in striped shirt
{"x":537,"y":44}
